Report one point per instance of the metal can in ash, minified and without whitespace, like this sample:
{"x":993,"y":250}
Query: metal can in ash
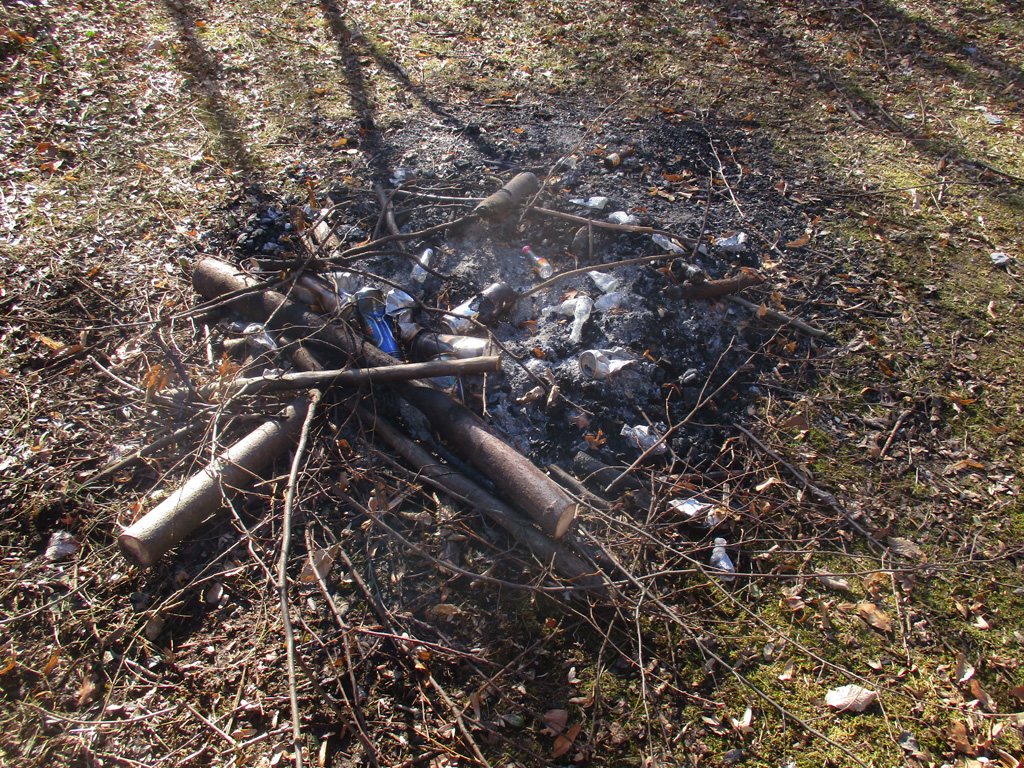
{"x":371,"y":306}
{"x":495,"y":301}
{"x":602,"y":363}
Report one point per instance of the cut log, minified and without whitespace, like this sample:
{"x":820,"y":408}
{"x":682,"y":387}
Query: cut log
{"x":234,"y":469}
{"x":533,"y":491}
{"x":504,"y":201}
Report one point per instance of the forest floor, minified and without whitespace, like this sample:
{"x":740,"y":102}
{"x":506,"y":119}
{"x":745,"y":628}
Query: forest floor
{"x":865,"y":476}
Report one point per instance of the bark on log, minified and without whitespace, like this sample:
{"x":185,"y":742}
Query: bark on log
{"x":236,"y":468}
{"x":537,"y":494}
{"x":503,"y":202}
{"x":460,"y":486}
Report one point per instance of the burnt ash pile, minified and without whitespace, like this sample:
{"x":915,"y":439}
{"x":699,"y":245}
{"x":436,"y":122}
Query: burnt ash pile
{"x":656,"y":175}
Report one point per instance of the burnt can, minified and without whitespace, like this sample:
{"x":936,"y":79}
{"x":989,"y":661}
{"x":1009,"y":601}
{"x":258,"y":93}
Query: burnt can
{"x":371,"y":306}
{"x":460,"y":319}
{"x":427,"y":346}
{"x":495,"y":302}
{"x":433,"y":346}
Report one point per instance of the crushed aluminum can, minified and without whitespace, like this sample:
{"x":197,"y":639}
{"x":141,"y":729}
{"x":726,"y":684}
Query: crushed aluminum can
{"x":735,"y":243}
{"x":408,"y":331}
{"x":495,"y":301}
{"x":398,"y":305}
{"x":427,"y":346}
{"x":370,"y":303}
{"x":602,"y":363}
{"x":645,"y":438}
{"x":345,"y":282}
{"x":459,"y":321}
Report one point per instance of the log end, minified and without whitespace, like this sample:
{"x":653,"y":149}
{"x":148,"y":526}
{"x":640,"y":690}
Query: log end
{"x":136,"y":551}
{"x":566,"y":520}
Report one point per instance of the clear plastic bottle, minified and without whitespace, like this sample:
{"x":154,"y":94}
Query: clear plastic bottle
{"x":540,"y":265}
{"x":425,"y":259}
{"x":581,"y":313}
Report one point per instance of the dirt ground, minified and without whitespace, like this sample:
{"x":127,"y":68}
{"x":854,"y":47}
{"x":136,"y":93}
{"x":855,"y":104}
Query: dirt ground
{"x":850,"y":424}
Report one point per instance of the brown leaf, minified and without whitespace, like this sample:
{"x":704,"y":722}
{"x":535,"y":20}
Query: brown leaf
{"x":564,"y":743}
{"x":874,"y":616}
{"x":799,"y":242}
{"x":957,"y":734}
{"x":982,"y":696}
{"x":787,"y":671}
{"x":555,"y":721}
{"x":850,"y":698}
{"x":88,"y":690}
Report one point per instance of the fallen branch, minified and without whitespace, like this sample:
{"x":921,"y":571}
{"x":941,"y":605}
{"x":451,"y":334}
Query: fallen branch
{"x":236,"y":468}
{"x":713,"y":289}
{"x":461,"y":487}
{"x":689,"y":242}
{"x":282,"y":573}
{"x":536,"y":493}
{"x":778,"y":317}
{"x":306,"y":379}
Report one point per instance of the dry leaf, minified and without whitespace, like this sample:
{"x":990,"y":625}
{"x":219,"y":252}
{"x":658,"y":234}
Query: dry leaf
{"x":322,"y":561}
{"x":982,"y":696}
{"x":874,"y":616}
{"x":906,"y":548}
{"x":87,"y":692}
{"x":555,"y":721}
{"x":787,"y":671}
{"x":564,"y":743}
{"x":957,"y":734}
{"x":446,"y":609}
{"x":834,"y":583}
{"x":850,"y":698}
{"x":799,"y":242}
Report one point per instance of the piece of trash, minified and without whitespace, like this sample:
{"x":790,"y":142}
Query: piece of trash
{"x":398,"y":305}
{"x":400,"y":175}
{"x":667,"y":243}
{"x":61,"y":544}
{"x":645,"y":437}
{"x":602,"y":363}
{"x":345,"y":283}
{"x":581,"y":313}
{"x":1000,"y":259}
{"x":605,"y":283}
{"x":370,"y":302}
{"x":429,"y":346}
{"x":721,"y":561}
{"x":533,"y":395}
{"x":623,"y":218}
{"x":597,"y":202}
{"x":699,"y":513}
{"x":459,"y":321}
{"x":257,"y":338}
{"x":735,"y":243}
{"x":540,"y":265}
{"x":993,"y":119}
{"x":689,"y":376}
{"x":609,"y":301}
{"x":850,"y":698}
{"x":614,"y":160}
{"x":424,"y":260}
{"x":495,"y":301}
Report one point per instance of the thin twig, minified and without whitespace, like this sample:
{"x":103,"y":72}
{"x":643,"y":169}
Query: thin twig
{"x":282,"y":572}
{"x":810,"y":330}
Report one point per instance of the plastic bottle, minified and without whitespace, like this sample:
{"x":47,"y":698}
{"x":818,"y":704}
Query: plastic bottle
{"x":580,"y":315}
{"x":540,"y":265}
{"x":425,"y":259}
{"x":721,"y":562}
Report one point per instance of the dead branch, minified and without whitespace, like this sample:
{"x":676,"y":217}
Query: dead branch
{"x":282,"y":572}
{"x":778,"y":317}
{"x":713,"y":289}
{"x":461,"y":487}
{"x":634,"y":228}
{"x":355,"y":377}
{"x":234,"y":469}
